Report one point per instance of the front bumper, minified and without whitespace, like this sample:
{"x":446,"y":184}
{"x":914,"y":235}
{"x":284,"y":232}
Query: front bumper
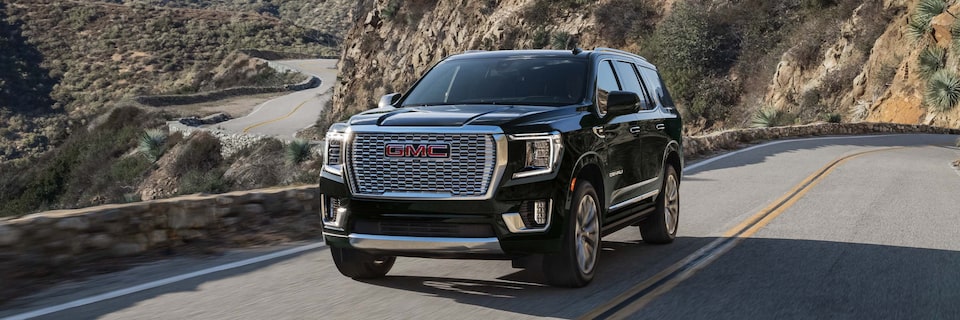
{"x":474,"y":228}
{"x":426,"y":245}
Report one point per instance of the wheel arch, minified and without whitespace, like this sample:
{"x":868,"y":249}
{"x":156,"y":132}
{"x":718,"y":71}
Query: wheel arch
{"x":589,"y":167}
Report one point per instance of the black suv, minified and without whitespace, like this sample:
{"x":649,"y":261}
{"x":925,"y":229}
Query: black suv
{"x":506,"y":155}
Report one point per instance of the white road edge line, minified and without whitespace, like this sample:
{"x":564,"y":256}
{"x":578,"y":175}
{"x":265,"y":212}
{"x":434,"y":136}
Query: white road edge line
{"x":771,"y":143}
{"x":162,"y":282}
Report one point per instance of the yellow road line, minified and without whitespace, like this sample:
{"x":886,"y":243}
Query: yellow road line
{"x":638,"y":296}
{"x":247,"y":129}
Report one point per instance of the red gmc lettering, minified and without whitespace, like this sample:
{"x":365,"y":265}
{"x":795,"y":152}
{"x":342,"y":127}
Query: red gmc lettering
{"x":403,"y":150}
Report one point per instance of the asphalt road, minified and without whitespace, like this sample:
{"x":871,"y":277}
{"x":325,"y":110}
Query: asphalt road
{"x":875,"y":236}
{"x":284,"y":116}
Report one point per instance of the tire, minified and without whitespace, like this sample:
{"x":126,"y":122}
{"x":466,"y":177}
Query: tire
{"x":661,"y":226}
{"x":361,"y":265}
{"x":575,"y":264}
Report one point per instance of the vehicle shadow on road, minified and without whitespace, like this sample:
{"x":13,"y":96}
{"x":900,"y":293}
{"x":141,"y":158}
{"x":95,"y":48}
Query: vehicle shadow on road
{"x":760,"y":278}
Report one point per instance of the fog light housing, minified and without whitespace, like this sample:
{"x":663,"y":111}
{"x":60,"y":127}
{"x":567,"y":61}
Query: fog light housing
{"x":534,"y":213}
{"x":334,"y":212}
{"x":533,"y":216}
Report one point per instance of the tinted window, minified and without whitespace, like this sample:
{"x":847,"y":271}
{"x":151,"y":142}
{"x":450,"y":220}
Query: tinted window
{"x":657,"y":89}
{"x":606,"y":82}
{"x":526,"y":81}
{"x":629,"y":80}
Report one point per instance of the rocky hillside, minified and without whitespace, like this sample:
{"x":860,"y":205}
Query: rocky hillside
{"x":894,"y":80}
{"x":79,"y":58}
{"x":726,"y":61}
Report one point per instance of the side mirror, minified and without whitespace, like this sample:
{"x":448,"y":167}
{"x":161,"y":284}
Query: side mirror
{"x":622,"y":102}
{"x":388,"y":100}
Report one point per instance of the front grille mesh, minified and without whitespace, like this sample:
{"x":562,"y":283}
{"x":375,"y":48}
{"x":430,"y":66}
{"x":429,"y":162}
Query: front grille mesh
{"x":467,"y":173}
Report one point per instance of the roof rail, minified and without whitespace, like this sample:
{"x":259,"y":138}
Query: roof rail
{"x":474,"y":51}
{"x":605,"y":49}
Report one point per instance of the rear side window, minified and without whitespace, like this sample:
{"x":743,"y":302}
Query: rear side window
{"x":606,"y":82}
{"x":657,"y":89}
{"x":630,"y":81}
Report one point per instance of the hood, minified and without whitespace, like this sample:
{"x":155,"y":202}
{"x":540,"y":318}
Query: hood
{"x":457,"y":115}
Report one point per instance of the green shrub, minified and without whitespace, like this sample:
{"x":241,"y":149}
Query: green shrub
{"x":389,"y":11}
{"x":629,"y":19}
{"x":770,"y":117}
{"x":541,"y":38}
{"x":839,"y":81}
{"x":819,"y":4}
{"x":931,"y":59}
{"x":202,"y":181}
{"x":129,"y":169}
{"x":152,"y":144}
{"x":943,"y":90}
{"x":201,"y":153}
{"x":692,"y":46}
{"x":715,"y":98}
{"x":832,"y":118}
{"x":297,"y":151}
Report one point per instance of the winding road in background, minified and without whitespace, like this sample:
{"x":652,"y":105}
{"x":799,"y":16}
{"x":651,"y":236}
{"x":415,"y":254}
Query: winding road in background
{"x":836,"y":227}
{"x":284,"y":116}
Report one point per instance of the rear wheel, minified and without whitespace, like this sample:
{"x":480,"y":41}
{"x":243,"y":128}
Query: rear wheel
{"x":576,"y":262}
{"x":361,"y":265}
{"x":661,"y":226}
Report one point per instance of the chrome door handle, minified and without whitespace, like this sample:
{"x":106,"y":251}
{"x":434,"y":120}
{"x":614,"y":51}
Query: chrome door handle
{"x":635,"y":130}
{"x":661,"y":126}
{"x":599,"y":132}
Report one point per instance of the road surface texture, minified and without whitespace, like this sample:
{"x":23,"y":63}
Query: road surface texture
{"x":825,"y":231}
{"x":284,"y":116}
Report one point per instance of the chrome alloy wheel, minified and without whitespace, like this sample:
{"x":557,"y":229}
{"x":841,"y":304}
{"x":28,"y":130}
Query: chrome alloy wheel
{"x":588,"y":234}
{"x":671,"y":206}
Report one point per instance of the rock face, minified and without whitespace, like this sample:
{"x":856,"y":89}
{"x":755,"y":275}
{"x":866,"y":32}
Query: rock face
{"x":882,"y":84}
{"x":391,"y":45}
{"x":866,"y":72}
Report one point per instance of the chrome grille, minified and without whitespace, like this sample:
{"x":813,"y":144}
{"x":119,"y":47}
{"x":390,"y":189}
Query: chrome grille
{"x":468,"y":171}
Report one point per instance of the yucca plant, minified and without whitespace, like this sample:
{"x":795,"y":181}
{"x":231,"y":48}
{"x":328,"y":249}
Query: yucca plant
{"x":297,"y":151}
{"x":152,"y":144}
{"x":943,"y":90}
{"x":931,"y":59}
{"x":919,"y":28}
{"x":770,"y":117}
{"x":931,"y":8}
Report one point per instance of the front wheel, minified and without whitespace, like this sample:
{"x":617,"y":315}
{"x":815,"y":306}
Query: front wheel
{"x":661,"y":226}
{"x":361,"y":265}
{"x":576,"y":262}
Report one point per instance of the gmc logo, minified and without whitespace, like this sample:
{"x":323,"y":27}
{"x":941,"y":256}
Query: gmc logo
{"x":414,"y":150}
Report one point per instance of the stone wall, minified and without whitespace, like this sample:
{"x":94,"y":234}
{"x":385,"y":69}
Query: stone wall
{"x":694,"y":147}
{"x":59,"y":239}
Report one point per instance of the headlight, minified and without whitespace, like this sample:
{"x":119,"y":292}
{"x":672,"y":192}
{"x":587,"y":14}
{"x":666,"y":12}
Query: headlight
{"x":541,"y":153}
{"x":333,"y":153}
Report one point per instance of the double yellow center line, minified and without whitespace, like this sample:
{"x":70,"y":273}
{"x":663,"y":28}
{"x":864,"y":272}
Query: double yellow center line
{"x":638,"y":296}
{"x":247,"y":129}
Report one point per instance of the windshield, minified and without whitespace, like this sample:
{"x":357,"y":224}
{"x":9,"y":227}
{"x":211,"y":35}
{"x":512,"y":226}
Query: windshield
{"x":526,"y":81}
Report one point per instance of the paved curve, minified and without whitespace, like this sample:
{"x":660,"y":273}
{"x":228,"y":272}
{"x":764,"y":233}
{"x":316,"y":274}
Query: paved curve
{"x":876,"y":238}
{"x":285,"y":115}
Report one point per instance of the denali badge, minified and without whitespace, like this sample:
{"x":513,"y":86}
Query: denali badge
{"x":416,"y":150}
